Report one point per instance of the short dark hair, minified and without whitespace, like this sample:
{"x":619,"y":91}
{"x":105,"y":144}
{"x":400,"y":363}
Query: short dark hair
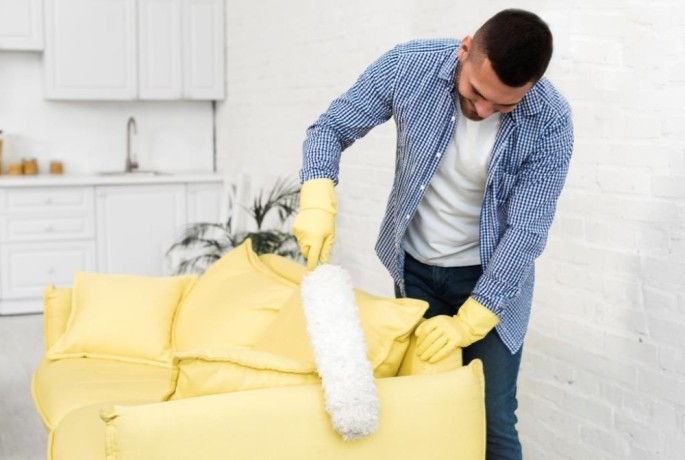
{"x":518,"y":44}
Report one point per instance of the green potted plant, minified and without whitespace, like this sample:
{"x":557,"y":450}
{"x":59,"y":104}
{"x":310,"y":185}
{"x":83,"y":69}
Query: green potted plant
{"x":203,"y":243}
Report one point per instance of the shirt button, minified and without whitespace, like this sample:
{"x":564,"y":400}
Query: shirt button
{"x":423,"y":187}
{"x":453,"y":118}
{"x":438,"y":155}
{"x":407,"y":216}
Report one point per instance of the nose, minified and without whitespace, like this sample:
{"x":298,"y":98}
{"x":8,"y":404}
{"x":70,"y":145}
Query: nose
{"x":484,"y":109}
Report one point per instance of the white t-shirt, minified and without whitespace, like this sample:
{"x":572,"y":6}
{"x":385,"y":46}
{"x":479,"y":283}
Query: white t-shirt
{"x":444,"y":231}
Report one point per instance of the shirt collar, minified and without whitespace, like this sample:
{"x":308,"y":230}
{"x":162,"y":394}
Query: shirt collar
{"x":530,"y":104}
{"x":448,"y":71}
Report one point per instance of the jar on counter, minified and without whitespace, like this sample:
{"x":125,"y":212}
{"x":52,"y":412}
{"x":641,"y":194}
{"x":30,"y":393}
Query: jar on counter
{"x":30,"y":166}
{"x":15,"y":169}
{"x":56,"y":167}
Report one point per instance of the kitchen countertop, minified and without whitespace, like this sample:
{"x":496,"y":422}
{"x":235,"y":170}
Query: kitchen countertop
{"x":49,"y":180}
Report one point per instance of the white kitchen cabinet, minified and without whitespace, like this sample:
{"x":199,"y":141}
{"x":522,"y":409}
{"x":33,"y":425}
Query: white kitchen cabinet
{"x":203,"y":49}
{"x":17,"y":228}
{"x":205,"y":203}
{"x":104,"y":224}
{"x":137,"y":224}
{"x":90,"y":49}
{"x":27,"y":268}
{"x":181,"y":49}
{"x":45,"y":234}
{"x":159,"y":49}
{"x":134,"y":49}
{"x":21,"y":25}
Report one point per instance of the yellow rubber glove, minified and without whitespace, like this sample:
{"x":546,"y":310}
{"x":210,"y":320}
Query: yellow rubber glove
{"x":438,"y":336}
{"x":314,"y":226}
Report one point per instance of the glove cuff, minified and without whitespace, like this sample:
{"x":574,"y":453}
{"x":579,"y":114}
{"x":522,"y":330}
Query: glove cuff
{"x":319,"y":194}
{"x":477,"y":318}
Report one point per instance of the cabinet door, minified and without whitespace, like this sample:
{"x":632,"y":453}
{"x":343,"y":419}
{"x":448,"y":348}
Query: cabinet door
{"x":26,"y":268}
{"x":90,"y":49}
{"x":21,"y":24}
{"x":205,"y":203}
{"x":203,"y":49}
{"x":159,"y":49}
{"x":136,"y":225}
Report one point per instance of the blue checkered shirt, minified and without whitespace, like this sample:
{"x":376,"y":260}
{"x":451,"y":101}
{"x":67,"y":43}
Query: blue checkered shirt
{"x":414,"y":84}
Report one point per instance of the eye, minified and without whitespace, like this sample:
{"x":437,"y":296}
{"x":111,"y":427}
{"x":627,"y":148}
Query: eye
{"x":476,"y":92}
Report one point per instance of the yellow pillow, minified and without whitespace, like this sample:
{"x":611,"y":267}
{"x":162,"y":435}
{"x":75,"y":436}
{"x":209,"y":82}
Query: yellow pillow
{"x":56,"y":311}
{"x":285,"y":268}
{"x":204,"y":372}
{"x":413,"y":365}
{"x":122,"y":317}
{"x":232,"y":303}
{"x":387,"y":323}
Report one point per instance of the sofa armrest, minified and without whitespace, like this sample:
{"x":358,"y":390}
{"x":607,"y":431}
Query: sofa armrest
{"x":56,"y":311}
{"x":422,"y":416}
{"x":413,"y":365}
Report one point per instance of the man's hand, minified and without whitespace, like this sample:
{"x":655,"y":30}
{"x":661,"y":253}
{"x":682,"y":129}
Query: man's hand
{"x":314,"y":226}
{"x":440,"y":335}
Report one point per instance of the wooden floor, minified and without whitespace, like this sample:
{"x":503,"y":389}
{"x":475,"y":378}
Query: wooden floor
{"x":22,"y":436}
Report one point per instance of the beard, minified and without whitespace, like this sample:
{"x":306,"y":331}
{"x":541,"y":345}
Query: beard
{"x":467,"y":107}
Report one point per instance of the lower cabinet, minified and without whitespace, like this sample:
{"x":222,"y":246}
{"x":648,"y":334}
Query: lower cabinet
{"x":48,"y":233}
{"x":137,"y":224}
{"x":26,"y":268}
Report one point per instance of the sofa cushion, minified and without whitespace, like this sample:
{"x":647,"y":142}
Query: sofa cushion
{"x":58,"y":387}
{"x":387,"y":323}
{"x":213,"y":371}
{"x":123,"y":317}
{"x":56,"y":312}
{"x":232,"y":303}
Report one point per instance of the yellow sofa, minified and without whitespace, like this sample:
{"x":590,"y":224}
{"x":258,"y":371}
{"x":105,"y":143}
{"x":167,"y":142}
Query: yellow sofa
{"x":220,"y":368}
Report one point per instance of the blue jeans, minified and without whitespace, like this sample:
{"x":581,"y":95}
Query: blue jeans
{"x":446,"y":289}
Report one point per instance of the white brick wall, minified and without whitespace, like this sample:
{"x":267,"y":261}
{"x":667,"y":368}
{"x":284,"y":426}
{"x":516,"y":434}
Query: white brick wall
{"x":603,"y":375}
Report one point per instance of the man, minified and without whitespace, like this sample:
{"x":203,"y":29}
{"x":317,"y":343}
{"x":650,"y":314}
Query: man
{"x":483,"y":147}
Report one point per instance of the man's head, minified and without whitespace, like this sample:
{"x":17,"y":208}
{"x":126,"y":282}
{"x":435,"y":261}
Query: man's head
{"x":504,"y":59}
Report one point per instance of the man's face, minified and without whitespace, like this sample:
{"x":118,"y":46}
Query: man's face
{"x":481,"y":93}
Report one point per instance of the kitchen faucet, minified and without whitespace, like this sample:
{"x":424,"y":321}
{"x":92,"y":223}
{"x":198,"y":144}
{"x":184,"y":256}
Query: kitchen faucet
{"x":131,"y":163}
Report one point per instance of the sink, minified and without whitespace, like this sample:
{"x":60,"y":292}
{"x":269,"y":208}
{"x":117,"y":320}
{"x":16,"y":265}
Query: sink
{"x":138,"y":172}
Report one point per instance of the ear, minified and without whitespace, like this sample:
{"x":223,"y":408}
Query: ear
{"x":465,"y":48}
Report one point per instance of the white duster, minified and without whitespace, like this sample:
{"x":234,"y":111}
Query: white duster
{"x":340,"y":351}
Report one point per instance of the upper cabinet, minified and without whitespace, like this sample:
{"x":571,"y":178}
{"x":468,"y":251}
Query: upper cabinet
{"x":21,"y":25}
{"x":159,"y":49}
{"x":203,"y":49}
{"x":134,"y":49}
{"x":90,"y":49}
